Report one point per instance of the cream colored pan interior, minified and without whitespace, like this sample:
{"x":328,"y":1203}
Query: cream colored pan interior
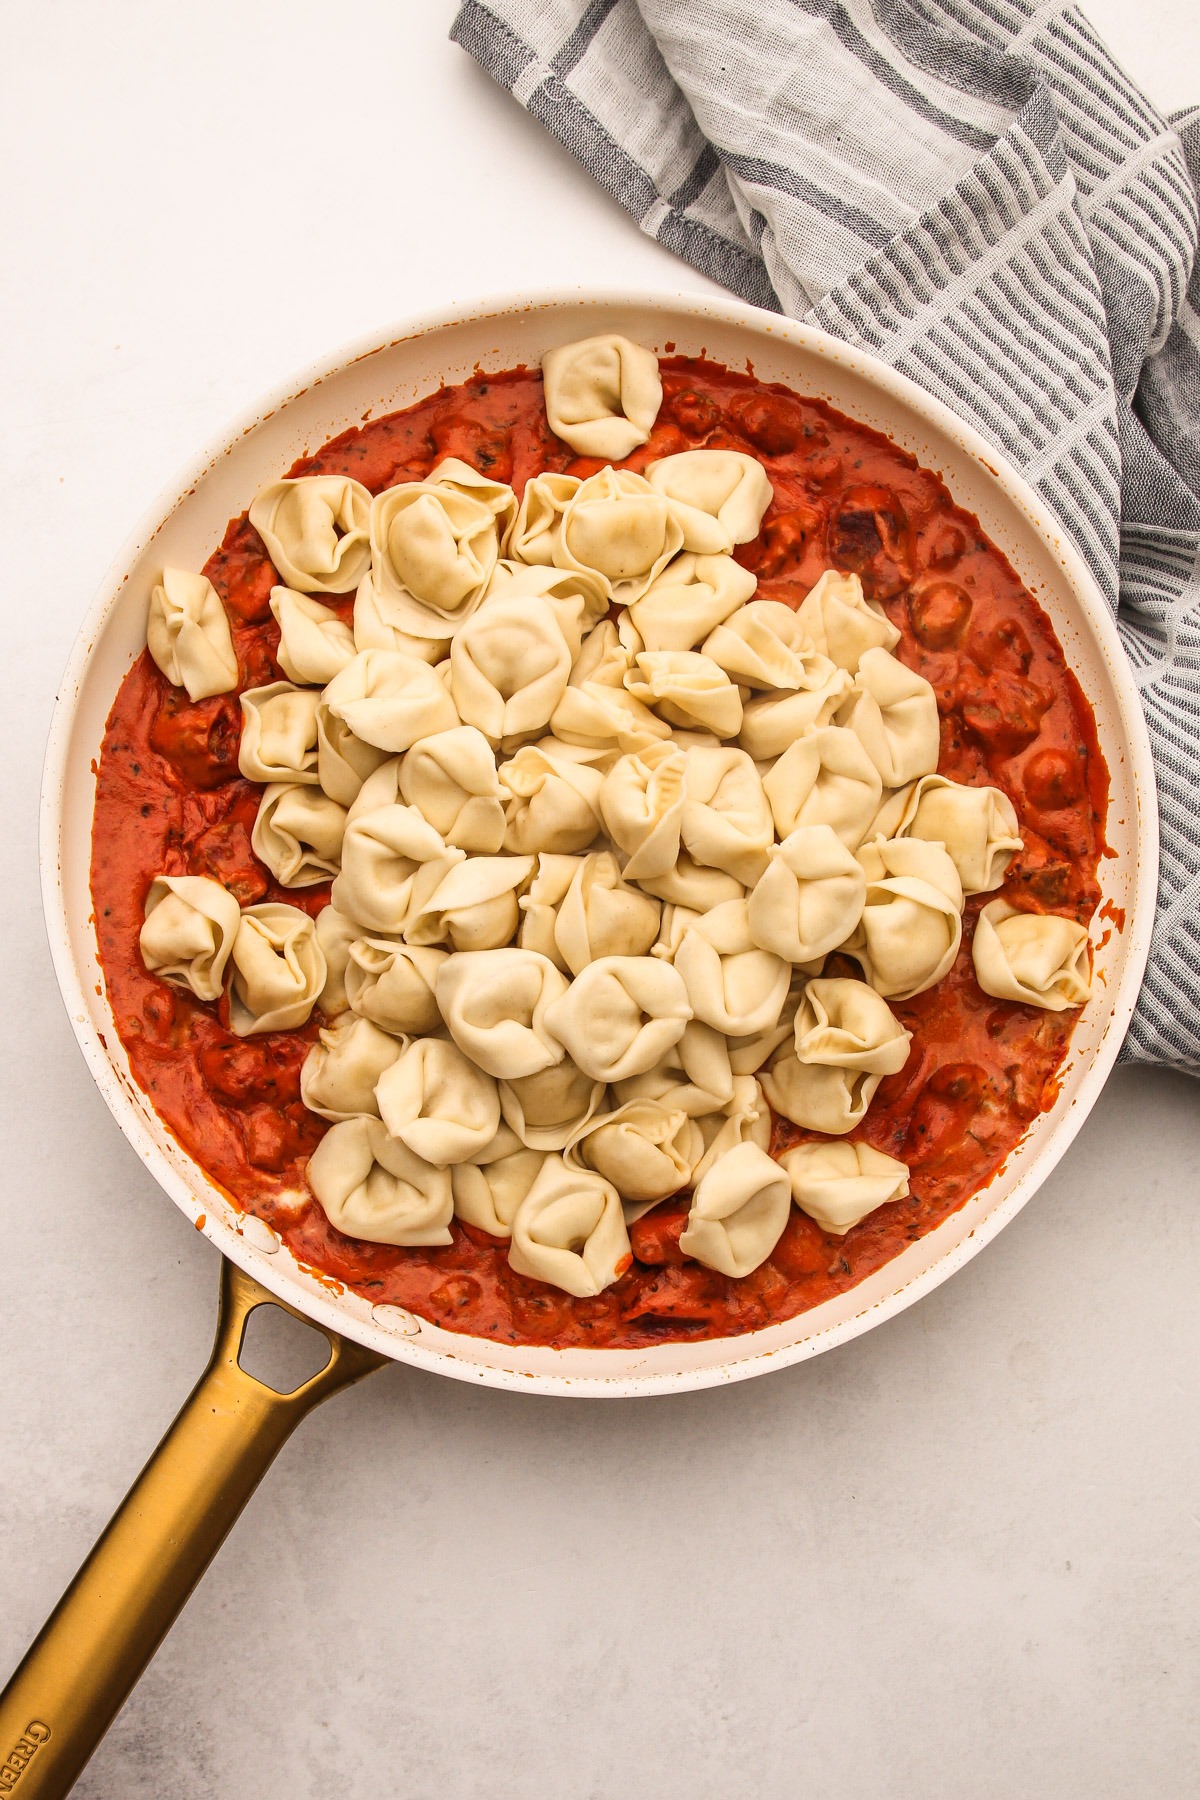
{"x":378,"y":378}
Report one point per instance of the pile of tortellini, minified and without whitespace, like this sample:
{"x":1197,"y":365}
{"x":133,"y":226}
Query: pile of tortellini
{"x":594,"y":818}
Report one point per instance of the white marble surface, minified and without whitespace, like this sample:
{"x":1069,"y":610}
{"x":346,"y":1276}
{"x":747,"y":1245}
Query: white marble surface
{"x":960,"y":1557}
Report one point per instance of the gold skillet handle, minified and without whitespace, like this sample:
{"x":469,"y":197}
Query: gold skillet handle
{"x":99,"y":1638}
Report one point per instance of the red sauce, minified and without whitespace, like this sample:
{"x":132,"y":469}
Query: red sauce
{"x":170,"y":800}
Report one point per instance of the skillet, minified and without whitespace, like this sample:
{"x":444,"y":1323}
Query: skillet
{"x":89,"y":1655}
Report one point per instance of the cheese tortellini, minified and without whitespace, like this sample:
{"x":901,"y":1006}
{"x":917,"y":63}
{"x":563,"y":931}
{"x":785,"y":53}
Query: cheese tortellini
{"x":619,"y":1015}
{"x":842,"y":624}
{"x":809,"y":898}
{"x":508,"y":668}
{"x":839,"y":1184}
{"x":602,"y":395}
{"x":372,"y":1186}
{"x":314,"y":644}
{"x":188,"y":635}
{"x":683,"y":605}
{"x":390,"y":700}
{"x":718,"y":496}
{"x":188,"y":936}
{"x":570,"y":1231}
{"x":341,"y":1070}
{"x":434,"y":546}
{"x":738,"y":1211}
{"x":298,"y":834}
{"x":315,"y":528}
{"x":451,"y":780}
{"x":1036,"y":959}
{"x":647,"y":1150}
{"x":597,"y":815}
{"x":278,"y":969}
{"x":437,"y":1103}
{"x":497,"y":1006}
{"x":976,"y":825}
{"x":911,"y":923}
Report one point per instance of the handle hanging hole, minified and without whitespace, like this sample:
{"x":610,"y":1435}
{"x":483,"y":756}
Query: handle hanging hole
{"x":281,"y":1352}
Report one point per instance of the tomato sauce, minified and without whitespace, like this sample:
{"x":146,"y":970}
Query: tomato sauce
{"x":170,"y":800}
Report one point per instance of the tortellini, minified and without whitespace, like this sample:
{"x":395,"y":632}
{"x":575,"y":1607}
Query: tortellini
{"x":744,"y":1119}
{"x":601,"y":915}
{"x":846,"y":1040}
{"x":474,"y":905}
{"x":845,"y":1024}
{"x":825,"y":778}
{"x":718,"y":496}
{"x":393,"y":984}
{"x":509,"y":666}
{"x":731,"y":984}
{"x":335,"y":934}
{"x":488,"y":1195}
{"x":451,"y":780}
{"x":641,"y":802}
{"x":620,"y":1015}
{"x":188,"y":936}
{"x":764,"y":646}
{"x":602,"y":395}
{"x":570,"y":1231}
{"x":313,"y":642}
{"x":596,"y":709}
{"x":738,"y":1212}
{"x":279,"y":734}
{"x":726,"y":820}
{"x":340,"y":1071}
{"x":617,"y":528}
{"x":816,"y":1095}
{"x":842,"y":624}
{"x":298,"y":834}
{"x":977,"y":826}
{"x":646,"y":1149}
{"x":188,"y":635}
{"x":390,"y":700}
{"x":694,"y":1074}
{"x":315,"y":528}
{"x":392,"y":858}
{"x":437,"y":1103}
{"x":278,"y":970}
{"x":771,"y":723}
{"x":579,"y":600}
{"x":809,"y":898}
{"x":540,"y":902}
{"x":690,"y":884}
{"x":546,"y":1110}
{"x":496,"y":1005}
{"x":434,"y":545}
{"x":1036,"y":959}
{"x":371,"y":1186}
{"x":839,"y":1184}
{"x":893,"y":713}
{"x":692,"y":596}
{"x":911,"y":924}
{"x":596,"y":817}
{"x":536,"y":532}
{"x":688,"y":689}
{"x":552,"y":799}
{"x":343,"y":760}
{"x":373,"y":632}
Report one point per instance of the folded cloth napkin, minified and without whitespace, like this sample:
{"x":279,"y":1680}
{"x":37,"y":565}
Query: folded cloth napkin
{"x":975,"y":192}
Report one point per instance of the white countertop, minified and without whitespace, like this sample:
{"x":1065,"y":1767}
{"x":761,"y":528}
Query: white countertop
{"x":959,"y":1557}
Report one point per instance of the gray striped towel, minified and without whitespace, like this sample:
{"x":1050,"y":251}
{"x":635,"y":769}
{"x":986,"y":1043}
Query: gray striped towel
{"x":975,"y":192}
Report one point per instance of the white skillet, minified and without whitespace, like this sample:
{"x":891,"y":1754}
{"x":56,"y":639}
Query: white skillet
{"x":185,"y":526}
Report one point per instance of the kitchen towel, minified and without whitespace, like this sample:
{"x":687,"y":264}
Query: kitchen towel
{"x":973,"y":191}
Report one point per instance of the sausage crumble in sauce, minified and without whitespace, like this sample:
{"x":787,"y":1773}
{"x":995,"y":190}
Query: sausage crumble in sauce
{"x":170,"y":800}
